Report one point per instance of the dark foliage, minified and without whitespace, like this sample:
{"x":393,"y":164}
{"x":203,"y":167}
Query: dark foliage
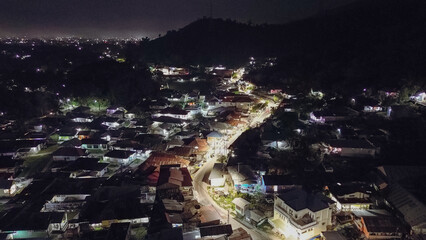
{"x":380,"y":42}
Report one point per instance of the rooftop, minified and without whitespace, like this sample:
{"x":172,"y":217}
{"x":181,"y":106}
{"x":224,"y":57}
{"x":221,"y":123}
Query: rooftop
{"x":271,"y":180}
{"x":350,"y":143}
{"x":299,"y":199}
{"x":217,"y":171}
{"x":174,"y":175}
{"x":381,"y":224}
{"x":91,"y":164}
{"x":119,"y":154}
{"x":240,"y":202}
{"x":69,"y":151}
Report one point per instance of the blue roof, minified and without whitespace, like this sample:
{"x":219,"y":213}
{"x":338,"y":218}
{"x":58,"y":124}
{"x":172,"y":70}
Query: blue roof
{"x":214,"y":134}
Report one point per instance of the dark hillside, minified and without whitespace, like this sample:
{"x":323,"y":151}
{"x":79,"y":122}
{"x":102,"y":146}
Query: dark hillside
{"x":381,"y":41}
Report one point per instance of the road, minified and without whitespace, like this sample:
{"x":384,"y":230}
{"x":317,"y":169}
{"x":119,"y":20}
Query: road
{"x":200,"y":182}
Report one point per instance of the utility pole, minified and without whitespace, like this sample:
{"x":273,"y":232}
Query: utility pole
{"x":228,"y":216}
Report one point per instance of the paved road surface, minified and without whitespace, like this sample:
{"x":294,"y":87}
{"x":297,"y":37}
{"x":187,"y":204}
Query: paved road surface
{"x":200,"y":181}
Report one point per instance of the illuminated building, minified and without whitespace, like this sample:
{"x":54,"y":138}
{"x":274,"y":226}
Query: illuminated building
{"x":301,"y":215}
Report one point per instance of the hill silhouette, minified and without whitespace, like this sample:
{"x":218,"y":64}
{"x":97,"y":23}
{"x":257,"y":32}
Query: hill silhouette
{"x":381,"y":41}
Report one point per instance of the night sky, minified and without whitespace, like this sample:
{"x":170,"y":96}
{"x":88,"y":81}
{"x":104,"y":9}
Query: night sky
{"x":139,"y":18}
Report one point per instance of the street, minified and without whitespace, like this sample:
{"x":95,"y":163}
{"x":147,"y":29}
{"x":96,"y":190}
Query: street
{"x":200,"y":182}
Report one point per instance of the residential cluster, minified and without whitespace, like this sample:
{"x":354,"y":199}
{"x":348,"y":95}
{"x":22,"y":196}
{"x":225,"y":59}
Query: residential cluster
{"x":90,"y":172}
{"x":212,"y":156}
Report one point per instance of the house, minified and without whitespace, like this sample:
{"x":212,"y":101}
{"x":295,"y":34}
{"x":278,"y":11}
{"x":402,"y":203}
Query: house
{"x":75,"y":142}
{"x":351,"y":196}
{"x":84,"y":134}
{"x":22,"y":224}
{"x":66,"y":134}
{"x":351,"y":147}
{"x":256,"y":217}
{"x":371,"y":105}
{"x":112,"y":204}
{"x":173,"y":113}
{"x":419,"y":97}
{"x":243,"y":178}
{"x":213,"y":137}
{"x":332,"y":235}
{"x":68,"y":154}
{"x":186,"y":134}
{"x":120,"y":156}
{"x":378,"y":225}
{"x":221,"y":127}
{"x":175,"y":142}
{"x":239,"y":234}
{"x":332,"y":115}
{"x":278,"y":183}
{"x":94,"y":144}
{"x":128,"y":145}
{"x":80,"y":117}
{"x":157,"y":159}
{"x":65,"y":203}
{"x":173,"y":213}
{"x":86,"y":168}
{"x":217,"y":175}
{"x":112,"y":135}
{"x":216,"y":231}
{"x":130,"y":115}
{"x":81,"y":109}
{"x":243,"y":102}
{"x":237,"y":117}
{"x":166,"y":128}
{"x":405,"y":200}
{"x":34,"y":135}
{"x":183,"y":152}
{"x":241,"y":206}
{"x":209,"y":216}
{"x":113,"y":109}
{"x":217,"y":142}
{"x":7,"y":188}
{"x":174,"y":180}
{"x":199,"y":146}
{"x":27,"y":147}
{"x":111,"y":122}
{"x":172,"y":71}
{"x":159,"y":104}
{"x":301,"y":215}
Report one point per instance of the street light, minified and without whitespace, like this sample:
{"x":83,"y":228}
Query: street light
{"x":99,"y":105}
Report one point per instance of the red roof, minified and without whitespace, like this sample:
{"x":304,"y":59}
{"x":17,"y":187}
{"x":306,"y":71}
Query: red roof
{"x":175,"y":175}
{"x":199,"y":144}
{"x":157,"y":159}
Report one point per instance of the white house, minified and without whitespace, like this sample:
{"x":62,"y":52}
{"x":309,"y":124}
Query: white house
{"x":120,"y":156}
{"x":91,"y":143}
{"x":301,"y":215}
{"x":216,"y":177}
{"x":173,"y":113}
{"x":350,"y":197}
{"x":241,"y":206}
